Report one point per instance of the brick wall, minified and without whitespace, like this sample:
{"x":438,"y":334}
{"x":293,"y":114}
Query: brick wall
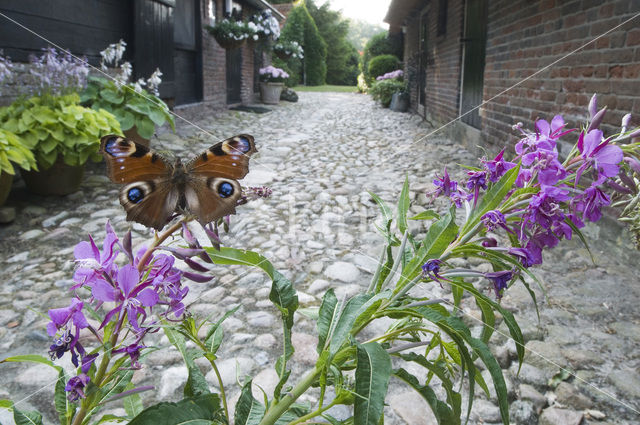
{"x":443,"y":63}
{"x":214,"y":83}
{"x":525,"y":36}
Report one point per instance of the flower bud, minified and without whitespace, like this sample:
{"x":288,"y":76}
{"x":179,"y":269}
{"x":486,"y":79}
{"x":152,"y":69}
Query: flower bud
{"x":489,"y":243}
{"x":633,"y":163}
{"x":625,"y":122}
{"x":197,"y":277}
{"x":593,"y":106}
{"x":597,"y":119}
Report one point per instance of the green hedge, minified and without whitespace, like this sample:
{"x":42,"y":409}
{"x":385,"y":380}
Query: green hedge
{"x":382,"y":64}
{"x":300,"y":27}
{"x":380,"y":44}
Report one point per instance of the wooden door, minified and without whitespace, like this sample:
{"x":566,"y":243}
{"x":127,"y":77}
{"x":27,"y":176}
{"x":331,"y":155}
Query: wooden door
{"x":234,"y":75}
{"x":475,"y":41}
{"x":153,"y":42}
{"x":187,"y":57}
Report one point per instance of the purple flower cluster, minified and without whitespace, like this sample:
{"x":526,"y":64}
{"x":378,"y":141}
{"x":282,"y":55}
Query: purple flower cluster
{"x":147,"y":284}
{"x":558,"y":197}
{"x":56,"y":73}
{"x":272,"y":74}
{"x":397,"y":74}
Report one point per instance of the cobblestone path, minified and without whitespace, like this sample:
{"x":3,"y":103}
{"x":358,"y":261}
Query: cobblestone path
{"x":320,"y":156}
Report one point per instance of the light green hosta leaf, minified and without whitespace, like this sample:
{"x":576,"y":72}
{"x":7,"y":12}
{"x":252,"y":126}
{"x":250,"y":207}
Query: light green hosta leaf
{"x":112,"y":95}
{"x":372,"y":379}
{"x":145,"y":127}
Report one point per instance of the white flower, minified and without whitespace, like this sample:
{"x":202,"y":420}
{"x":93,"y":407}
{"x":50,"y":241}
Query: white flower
{"x":255,"y":37}
{"x":138,"y":85}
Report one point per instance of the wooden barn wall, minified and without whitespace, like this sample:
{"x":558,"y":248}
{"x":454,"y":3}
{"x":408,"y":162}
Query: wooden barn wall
{"x":89,"y":26}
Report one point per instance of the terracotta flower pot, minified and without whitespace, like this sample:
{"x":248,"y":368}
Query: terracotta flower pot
{"x":5,"y":186}
{"x":132,"y":134}
{"x":270,"y":92}
{"x":59,"y":179}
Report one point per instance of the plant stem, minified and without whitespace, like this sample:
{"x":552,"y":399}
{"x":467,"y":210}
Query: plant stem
{"x":157,"y":241}
{"x":314,"y":413}
{"x":278,"y":409}
{"x":381,"y":263}
{"x":222,"y":393}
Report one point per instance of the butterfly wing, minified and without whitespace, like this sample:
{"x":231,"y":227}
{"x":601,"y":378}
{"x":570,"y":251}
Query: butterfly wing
{"x":212,"y":191}
{"x":147,"y":196}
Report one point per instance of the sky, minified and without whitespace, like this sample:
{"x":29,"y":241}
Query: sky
{"x":372,"y":11}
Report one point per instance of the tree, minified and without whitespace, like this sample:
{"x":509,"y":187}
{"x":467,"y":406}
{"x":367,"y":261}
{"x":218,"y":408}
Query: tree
{"x":361,"y":31}
{"x":300,"y":27}
{"x":381,"y":44}
{"x":342,"y":57}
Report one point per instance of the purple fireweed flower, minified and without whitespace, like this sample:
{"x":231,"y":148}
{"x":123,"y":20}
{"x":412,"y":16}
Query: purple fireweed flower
{"x":546,"y":136}
{"x":477,"y":180}
{"x":597,"y":153}
{"x":531,"y":254}
{"x":75,"y":387}
{"x":591,"y":200}
{"x":449,"y":188}
{"x":493,"y":219}
{"x":130,"y":298}
{"x":544,"y":207}
{"x":87,"y":362}
{"x":545,"y":162}
{"x":133,"y":351}
{"x":500,"y":280}
{"x":431,"y":270}
{"x":497,"y":167}
{"x":524,"y":176}
{"x":91,"y":264}
{"x":444,"y":185}
{"x":60,"y":317}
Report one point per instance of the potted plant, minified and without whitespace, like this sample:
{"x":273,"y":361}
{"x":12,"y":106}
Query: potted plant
{"x":61,"y":134}
{"x":137,"y":110}
{"x":232,"y":34}
{"x":288,"y":49}
{"x":271,"y":84}
{"x":12,"y":151}
{"x":389,"y":85}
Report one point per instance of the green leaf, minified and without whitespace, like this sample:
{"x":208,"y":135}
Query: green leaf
{"x":32,"y":417}
{"x":196,"y":383}
{"x":112,"y":96}
{"x":63,"y":406}
{"x":492,"y":198}
{"x":426,"y":215}
{"x":282,"y":294}
{"x":213,"y":338}
{"x":372,"y":379}
{"x":494,"y":369}
{"x":201,"y":410}
{"x":32,"y":358}
{"x":145,"y":127}
{"x":344,"y":325}
{"x":249,"y":411}
{"x":384,"y":208}
{"x":441,"y":410}
{"x":577,"y":231}
{"x":403,"y":206}
{"x":132,"y":403}
{"x":327,"y":317}
{"x":157,"y":116}
{"x":438,"y":237}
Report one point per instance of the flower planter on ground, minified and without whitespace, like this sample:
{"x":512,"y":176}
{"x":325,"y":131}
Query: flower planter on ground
{"x":270,"y":92}
{"x":59,"y":179}
{"x":399,"y":102}
{"x":132,"y":134}
{"x":5,"y":186}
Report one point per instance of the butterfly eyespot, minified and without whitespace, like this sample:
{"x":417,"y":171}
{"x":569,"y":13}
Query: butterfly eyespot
{"x":135,"y":195}
{"x":225,"y":189}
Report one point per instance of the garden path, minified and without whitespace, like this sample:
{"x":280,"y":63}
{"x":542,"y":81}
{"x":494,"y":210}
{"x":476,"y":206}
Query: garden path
{"x":320,"y":156}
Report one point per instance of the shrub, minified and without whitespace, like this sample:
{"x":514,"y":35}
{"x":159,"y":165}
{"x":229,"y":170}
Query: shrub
{"x":380,"y":44}
{"x":381,"y":65}
{"x":300,"y":27}
{"x":383,"y":90}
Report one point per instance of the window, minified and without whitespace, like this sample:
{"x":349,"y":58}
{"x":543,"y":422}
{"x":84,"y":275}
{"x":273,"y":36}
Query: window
{"x":233,"y":9}
{"x":211,"y":12}
{"x":442,"y":17}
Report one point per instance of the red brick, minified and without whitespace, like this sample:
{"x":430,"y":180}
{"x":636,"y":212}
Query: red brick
{"x":633,"y":37}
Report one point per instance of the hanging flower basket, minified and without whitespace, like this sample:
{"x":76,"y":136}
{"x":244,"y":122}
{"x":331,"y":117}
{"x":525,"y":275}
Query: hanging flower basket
{"x":232,"y":34}
{"x":228,"y":44}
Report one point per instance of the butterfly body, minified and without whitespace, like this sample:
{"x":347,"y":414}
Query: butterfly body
{"x":154,"y":188}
